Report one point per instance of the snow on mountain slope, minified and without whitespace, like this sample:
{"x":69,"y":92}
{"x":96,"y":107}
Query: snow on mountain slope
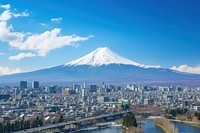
{"x":111,"y":68}
{"x":102,"y":56}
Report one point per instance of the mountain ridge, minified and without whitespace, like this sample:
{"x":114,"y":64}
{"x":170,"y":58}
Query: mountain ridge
{"x":101,"y":56}
{"x":103,"y":65}
{"x":104,"y":56}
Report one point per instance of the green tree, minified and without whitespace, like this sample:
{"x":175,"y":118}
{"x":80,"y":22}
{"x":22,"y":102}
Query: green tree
{"x":61,"y":119}
{"x":8,"y":127}
{"x":12,"y":127}
{"x":16,"y":126}
{"x":1,"y":127}
{"x":129,"y":120}
{"x":33,"y":123}
{"x":40,"y":122}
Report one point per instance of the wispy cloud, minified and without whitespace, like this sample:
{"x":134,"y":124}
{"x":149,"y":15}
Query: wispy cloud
{"x":38,"y":44}
{"x":2,"y":53}
{"x":23,"y":14}
{"x":91,"y":36}
{"x":7,"y":15}
{"x":187,"y":69}
{"x":43,"y":24}
{"x":151,"y":66}
{"x":56,"y":19}
{"x":22,"y":56}
{"x":7,"y":6}
{"x":7,"y":71}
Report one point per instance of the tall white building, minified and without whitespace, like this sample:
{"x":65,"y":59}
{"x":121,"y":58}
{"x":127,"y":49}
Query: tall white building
{"x":84,"y":85}
{"x":35,"y":84}
{"x":84,"y":93}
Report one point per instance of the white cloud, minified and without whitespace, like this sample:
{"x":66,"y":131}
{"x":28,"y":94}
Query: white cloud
{"x":187,"y":69}
{"x":2,"y":53}
{"x":91,"y":36}
{"x":21,"y":56}
{"x":7,"y":35}
{"x":151,"y":66}
{"x":56,"y":19}
{"x":43,"y":24}
{"x":7,"y":71}
{"x":7,"y":6}
{"x":6,"y":15}
{"x":47,"y":41}
{"x":23,"y":14}
{"x":40,"y":44}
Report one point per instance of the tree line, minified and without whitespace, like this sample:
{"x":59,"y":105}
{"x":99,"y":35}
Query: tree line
{"x":8,"y":127}
{"x":177,"y":111}
{"x":197,"y":114}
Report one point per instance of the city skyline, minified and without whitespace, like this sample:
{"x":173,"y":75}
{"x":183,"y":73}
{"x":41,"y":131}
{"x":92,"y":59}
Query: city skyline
{"x":33,"y":39}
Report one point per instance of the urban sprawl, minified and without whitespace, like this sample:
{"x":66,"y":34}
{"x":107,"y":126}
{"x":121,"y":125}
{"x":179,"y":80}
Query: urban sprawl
{"x":42,"y":105}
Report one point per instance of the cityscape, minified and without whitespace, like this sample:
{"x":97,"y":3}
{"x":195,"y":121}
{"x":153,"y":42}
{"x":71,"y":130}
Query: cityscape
{"x":72,"y":66}
{"x":56,"y":104}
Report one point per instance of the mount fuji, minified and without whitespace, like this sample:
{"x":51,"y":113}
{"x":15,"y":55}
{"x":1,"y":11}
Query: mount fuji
{"x":104,"y":65}
{"x":101,"y":56}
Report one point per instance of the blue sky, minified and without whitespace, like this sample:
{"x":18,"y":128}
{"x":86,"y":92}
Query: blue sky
{"x":165,"y":33}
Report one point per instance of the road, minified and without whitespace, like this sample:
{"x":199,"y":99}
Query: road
{"x":67,"y":123}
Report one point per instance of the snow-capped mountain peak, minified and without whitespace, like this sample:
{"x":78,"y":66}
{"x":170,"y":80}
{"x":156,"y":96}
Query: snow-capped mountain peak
{"x":101,"y":56}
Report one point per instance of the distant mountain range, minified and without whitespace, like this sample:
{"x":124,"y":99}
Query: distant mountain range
{"x":104,"y":65}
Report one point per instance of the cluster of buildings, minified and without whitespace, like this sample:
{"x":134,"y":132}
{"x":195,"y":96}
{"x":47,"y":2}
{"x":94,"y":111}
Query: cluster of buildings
{"x":79,"y":101}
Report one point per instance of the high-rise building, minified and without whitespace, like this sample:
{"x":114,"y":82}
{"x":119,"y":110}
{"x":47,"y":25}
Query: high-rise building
{"x":102,"y":99}
{"x":23,"y":85}
{"x":35,"y":84}
{"x":103,"y":85}
{"x":93,"y":88}
{"x":146,"y":101}
{"x":16,"y":90}
{"x":54,"y":89}
{"x":76,"y":86}
{"x":84,"y":85}
{"x":84,"y":92}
